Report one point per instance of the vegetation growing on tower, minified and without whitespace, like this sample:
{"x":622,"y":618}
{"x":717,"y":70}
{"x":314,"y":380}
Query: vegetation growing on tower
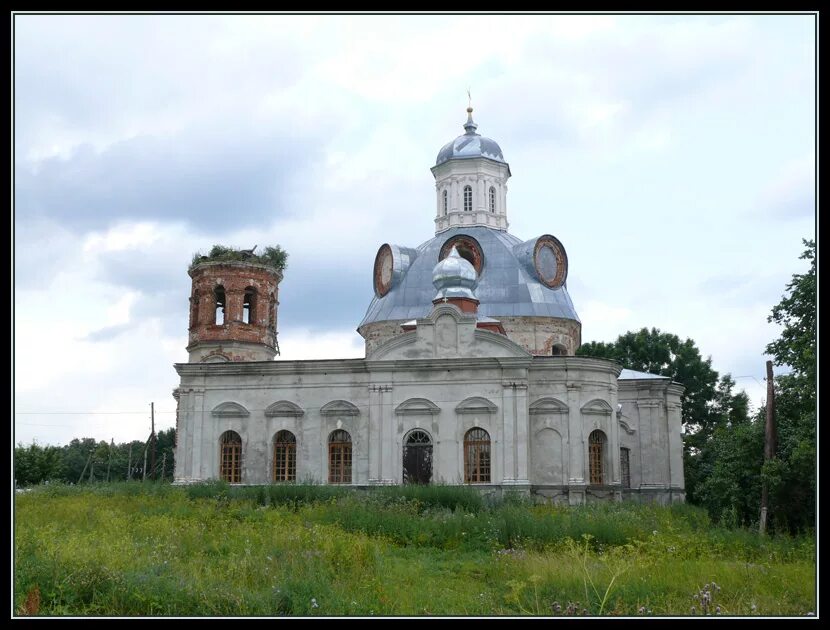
{"x":271,"y":256}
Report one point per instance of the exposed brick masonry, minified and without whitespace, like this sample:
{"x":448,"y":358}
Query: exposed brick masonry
{"x":235,"y":278}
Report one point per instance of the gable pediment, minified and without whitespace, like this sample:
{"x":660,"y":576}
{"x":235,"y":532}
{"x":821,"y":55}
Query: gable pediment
{"x":417,"y":406}
{"x":447,"y":333}
{"x":230,"y":410}
{"x":476,"y":404}
{"x":282,"y":409}
{"x":547,"y":405}
{"x":597,"y":406}
{"x":339,"y":408}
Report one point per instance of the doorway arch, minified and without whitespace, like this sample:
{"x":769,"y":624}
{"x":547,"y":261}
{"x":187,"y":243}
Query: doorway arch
{"x":417,"y":457}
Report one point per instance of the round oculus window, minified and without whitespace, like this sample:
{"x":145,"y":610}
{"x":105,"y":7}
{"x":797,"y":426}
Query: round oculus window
{"x":383,"y":270}
{"x":550,"y":261}
{"x":468,"y":248}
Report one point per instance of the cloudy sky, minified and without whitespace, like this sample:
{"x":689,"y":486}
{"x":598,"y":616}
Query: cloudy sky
{"x":673,"y":156}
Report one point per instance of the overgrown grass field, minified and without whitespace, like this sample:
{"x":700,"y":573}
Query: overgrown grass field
{"x":153,"y":549}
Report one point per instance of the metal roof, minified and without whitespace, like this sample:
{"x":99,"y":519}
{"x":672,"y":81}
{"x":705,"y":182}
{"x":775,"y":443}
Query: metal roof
{"x":507,"y":286}
{"x":470,"y":145}
{"x":627,"y":374}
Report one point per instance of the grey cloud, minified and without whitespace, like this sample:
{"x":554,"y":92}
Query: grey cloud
{"x":212,"y":183}
{"x":323,"y":299}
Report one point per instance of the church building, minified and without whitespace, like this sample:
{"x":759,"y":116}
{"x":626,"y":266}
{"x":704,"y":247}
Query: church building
{"x":469,"y":375}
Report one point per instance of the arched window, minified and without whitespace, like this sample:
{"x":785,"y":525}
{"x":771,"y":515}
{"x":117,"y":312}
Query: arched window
{"x":558,"y":350}
{"x":596,"y":446}
{"x":492,"y":199}
{"x":194,"y":309}
{"x":417,"y":457}
{"x":285,"y":456}
{"x":340,"y":457}
{"x":230,"y":457}
{"x":445,"y":203}
{"x":625,"y":469}
{"x":477,"y":456}
{"x":468,"y":198}
{"x":219,"y":299}
{"x":249,"y":306}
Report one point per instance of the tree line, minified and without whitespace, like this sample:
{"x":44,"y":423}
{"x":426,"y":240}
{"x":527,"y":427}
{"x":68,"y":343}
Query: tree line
{"x":86,"y":460}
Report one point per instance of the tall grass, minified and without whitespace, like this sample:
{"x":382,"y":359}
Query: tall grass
{"x":214,"y":549}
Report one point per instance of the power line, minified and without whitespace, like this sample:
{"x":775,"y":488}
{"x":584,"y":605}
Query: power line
{"x":83,"y":413}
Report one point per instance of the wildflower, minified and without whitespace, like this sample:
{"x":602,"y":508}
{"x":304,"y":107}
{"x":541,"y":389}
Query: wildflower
{"x":717,"y":610}
{"x":693,"y":611}
{"x":641,"y":610}
{"x":753,"y":608}
{"x":314,"y":603}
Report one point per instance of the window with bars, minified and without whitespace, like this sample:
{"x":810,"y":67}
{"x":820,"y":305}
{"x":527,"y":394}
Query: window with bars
{"x":285,"y":456}
{"x":625,"y":470}
{"x":230,"y":460}
{"x":468,"y":198}
{"x":596,"y":444}
{"x":340,"y":457}
{"x":477,"y":456}
{"x":445,"y":203}
{"x":492,"y":199}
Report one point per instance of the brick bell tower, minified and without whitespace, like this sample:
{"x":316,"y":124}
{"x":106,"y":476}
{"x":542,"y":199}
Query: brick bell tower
{"x":233,"y":311}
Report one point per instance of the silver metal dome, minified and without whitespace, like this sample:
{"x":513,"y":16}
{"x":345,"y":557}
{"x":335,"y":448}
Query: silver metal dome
{"x":470,"y":145}
{"x":454,"y":277}
{"x":507,"y":285}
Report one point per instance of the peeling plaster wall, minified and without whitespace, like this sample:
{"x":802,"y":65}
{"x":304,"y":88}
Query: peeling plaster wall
{"x":535,"y":446}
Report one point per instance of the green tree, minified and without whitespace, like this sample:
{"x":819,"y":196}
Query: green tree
{"x":35,"y":464}
{"x":728,"y":471}
{"x":708,"y":401}
{"x":792,"y":476}
{"x":667,"y":355}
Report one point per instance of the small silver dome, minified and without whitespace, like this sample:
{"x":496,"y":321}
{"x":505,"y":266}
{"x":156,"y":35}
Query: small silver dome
{"x":470,"y":145}
{"x":454,"y":277}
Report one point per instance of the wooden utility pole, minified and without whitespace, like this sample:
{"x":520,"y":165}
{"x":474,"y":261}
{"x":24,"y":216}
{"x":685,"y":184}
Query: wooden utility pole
{"x":85,"y":465}
{"x":130,"y":463}
{"x":109,"y":459}
{"x":152,"y":442}
{"x":769,"y":445}
{"x":144,"y":470}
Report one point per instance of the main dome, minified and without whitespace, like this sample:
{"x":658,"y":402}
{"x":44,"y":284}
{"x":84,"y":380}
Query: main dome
{"x":470,"y":145}
{"x":508,"y":282}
